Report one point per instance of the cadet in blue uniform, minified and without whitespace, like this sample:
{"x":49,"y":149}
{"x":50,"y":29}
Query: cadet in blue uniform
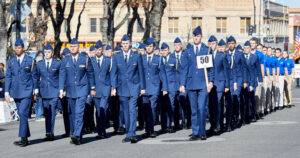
{"x":63,"y":103}
{"x":235,"y":60}
{"x":221,"y":81}
{"x":195,"y":84}
{"x":259,"y":90}
{"x":19,"y":86}
{"x":154,"y":75}
{"x":128,"y":82}
{"x":102,"y":67}
{"x":280,"y":75}
{"x":76,"y":77}
{"x":46,"y":78}
{"x":182,"y":108}
{"x":251,"y":64}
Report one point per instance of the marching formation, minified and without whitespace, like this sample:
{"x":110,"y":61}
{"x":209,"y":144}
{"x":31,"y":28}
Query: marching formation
{"x":136,"y":87}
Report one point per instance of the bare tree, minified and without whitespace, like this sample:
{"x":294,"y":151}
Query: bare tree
{"x":3,"y":32}
{"x":79,"y":19}
{"x":108,"y":28}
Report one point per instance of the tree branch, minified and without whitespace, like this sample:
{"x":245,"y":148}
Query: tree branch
{"x":71,"y":14}
{"x":124,"y":19}
{"x":79,"y":19}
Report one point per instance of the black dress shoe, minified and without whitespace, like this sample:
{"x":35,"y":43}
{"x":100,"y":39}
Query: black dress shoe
{"x":254,"y":119}
{"x":217,"y":131}
{"x":22,"y":143}
{"x":171,"y":130}
{"x":65,"y":135}
{"x":203,"y":137}
{"x":126,"y":140}
{"x":121,"y":130}
{"x":102,"y":136}
{"x":140,"y":128}
{"x":49,"y":137}
{"x":133,"y":140}
{"x":153,"y":135}
{"x":75,"y":140}
{"x":228,"y":129}
{"x":194,"y":138}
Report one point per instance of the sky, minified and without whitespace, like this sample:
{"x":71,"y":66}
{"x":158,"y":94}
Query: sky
{"x":290,"y":3}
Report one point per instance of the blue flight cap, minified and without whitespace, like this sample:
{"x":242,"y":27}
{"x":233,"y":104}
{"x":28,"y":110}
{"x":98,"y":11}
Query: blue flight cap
{"x":221,"y":43}
{"x":247,"y":44}
{"x":150,"y":41}
{"x":108,"y":47}
{"x":197,"y":31}
{"x":48,"y":47}
{"x":74,"y":41}
{"x":239,"y":47}
{"x":99,"y":44}
{"x":142,"y":46}
{"x":66,"y":51}
{"x":231,"y":39}
{"x":212,"y":38}
{"x":164,"y":46}
{"x":188,"y":46}
{"x":92,"y":48}
{"x":177,"y":40}
{"x":19,"y":42}
{"x":125,"y":38}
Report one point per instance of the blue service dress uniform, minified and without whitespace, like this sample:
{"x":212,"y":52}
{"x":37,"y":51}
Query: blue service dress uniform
{"x":46,"y":77}
{"x":76,"y":76}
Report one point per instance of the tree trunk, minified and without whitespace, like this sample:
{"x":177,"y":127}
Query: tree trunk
{"x":3,"y":33}
{"x":71,"y":13}
{"x":157,"y":12}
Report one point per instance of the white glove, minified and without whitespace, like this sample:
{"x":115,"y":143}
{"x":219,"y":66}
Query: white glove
{"x":251,"y":88}
{"x":235,"y":87}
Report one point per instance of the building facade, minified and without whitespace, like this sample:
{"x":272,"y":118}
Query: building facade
{"x":294,"y":25}
{"x":216,"y":17}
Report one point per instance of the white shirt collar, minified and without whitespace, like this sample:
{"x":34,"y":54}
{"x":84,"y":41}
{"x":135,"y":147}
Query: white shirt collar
{"x":48,"y":60}
{"x":128,"y":53}
{"x":199,"y":47}
{"x":150,"y":55}
{"x":178,"y":53}
{"x":99,"y":58}
{"x":76,"y":56}
{"x":21,"y":57}
{"x":231,"y":52}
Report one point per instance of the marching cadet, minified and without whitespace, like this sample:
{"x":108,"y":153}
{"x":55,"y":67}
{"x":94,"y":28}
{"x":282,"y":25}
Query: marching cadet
{"x":142,"y":48}
{"x":46,"y":78}
{"x":235,"y":60}
{"x":128,"y":82}
{"x":221,"y":82}
{"x":89,"y":121}
{"x":76,"y":76}
{"x":280,"y":75}
{"x":184,"y":109}
{"x":212,"y":96}
{"x":108,"y":51}
{"x":289,"y":78}
{"x":63,"y":103}
{"x":101,"y":65}
{"x":259,"y":90}
{"x":195,"y":83}
{"x":170,"y":64}
{"x":154,"y":72}
{"x":250,"y":65}
{"x":19,"y":87}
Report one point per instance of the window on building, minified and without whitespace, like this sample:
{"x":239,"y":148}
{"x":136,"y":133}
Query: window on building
{"x":244,"y":25}
{"x":221,"y":25}
{"x":93,"y":25}
{"x":173,"y":24}
{"x":101,"y":24}
{"x":196,"y":21}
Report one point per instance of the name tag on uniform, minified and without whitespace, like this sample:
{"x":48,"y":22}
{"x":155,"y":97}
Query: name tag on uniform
{"x":134,"y":64}
{"x":204,"y":61}
{"x":82,"y":66}
{"x":171,"y":64}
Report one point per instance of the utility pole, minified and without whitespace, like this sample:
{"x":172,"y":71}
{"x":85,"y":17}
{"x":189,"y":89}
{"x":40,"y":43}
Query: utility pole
{"x":254,"y":16}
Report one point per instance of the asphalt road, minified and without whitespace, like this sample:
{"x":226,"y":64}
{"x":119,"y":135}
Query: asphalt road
{"x":275,"y":136}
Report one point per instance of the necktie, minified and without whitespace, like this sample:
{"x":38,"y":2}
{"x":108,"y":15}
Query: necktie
{"x":232,"y":60}
{"x":177,"y":61}
{"x":74,"y":61}
{"x":149,"y":60}
{"x":126,"y":58}
{"x":98,"y":61}
{"x":19,"y":62}
{"x":197,"y":50}
{"x":48,"y":65}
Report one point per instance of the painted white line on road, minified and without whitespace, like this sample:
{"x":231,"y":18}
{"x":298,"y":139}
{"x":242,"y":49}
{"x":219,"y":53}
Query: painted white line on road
{"x":267,"y":123}
{"x":180,"y":140}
